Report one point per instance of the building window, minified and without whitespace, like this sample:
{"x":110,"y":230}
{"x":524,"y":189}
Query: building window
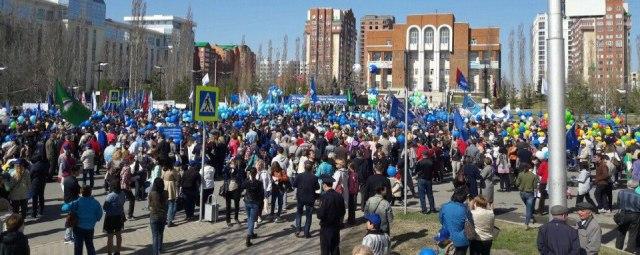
{"x":413,"y":36}
{"x":444,"y":36}
{"x":428,"y":36}
{"x":375,"y":56}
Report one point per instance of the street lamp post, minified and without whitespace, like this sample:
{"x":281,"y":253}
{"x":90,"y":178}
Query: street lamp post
{"x":100,"y":65}
{"x":193,"y":84}
{"x":2,"y":70}
{"x":486,"y":64}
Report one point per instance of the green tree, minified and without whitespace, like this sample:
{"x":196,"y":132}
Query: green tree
{"x":579,"y":99}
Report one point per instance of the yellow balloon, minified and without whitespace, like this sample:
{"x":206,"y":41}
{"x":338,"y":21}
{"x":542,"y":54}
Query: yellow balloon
{"x":608,"y":131}
{"x":546,"y":115}
{"x":527,"y":133}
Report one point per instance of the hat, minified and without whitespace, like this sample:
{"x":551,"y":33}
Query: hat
{"x":559,"y":210}
{"x":584,"y":206}
{"x":442,"y":235}
{"x":632,"y":184}
{"x":327,"y":179}
{"x":374,"y":219}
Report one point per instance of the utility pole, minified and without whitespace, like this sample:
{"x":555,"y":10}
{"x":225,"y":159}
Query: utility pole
{"x":557,"y":139}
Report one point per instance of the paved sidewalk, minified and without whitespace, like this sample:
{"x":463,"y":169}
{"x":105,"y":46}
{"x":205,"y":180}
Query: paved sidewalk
{"x":46,"y":234}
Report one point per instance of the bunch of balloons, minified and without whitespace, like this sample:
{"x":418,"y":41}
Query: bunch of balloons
{"x":418,"y":100}
{"x":372,"y":97}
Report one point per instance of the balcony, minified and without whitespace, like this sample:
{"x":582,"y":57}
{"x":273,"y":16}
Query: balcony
{"x":381,"y":64}
{"x":480,"y":64}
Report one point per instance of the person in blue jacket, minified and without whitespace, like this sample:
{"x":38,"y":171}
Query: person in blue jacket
{"x":453,"y":216}
{"x":88,"y":212}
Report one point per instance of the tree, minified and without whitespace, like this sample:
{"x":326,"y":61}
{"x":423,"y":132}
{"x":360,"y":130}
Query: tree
{"x":579,"y":97}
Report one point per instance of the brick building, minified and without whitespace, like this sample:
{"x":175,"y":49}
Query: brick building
{"x":330,"y":50}
{"x":436,"y":46}
{"x":203,"y":59}
{"x":599,"y":41}
{"x":237,"y":63}
{"x":371,"y":23}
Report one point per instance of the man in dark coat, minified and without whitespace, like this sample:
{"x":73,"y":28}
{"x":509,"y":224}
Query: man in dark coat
{"x":424,"y":171}
{"x":330,"y":213}
{"x":556,"y":237}
{"x":375,"y":181}
{"x":39,"y":175}
{"x":306,"y":185}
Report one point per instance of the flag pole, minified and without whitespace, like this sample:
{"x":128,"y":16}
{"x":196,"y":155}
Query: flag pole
{"x":202,"y":149}
{"x":406,"y":129}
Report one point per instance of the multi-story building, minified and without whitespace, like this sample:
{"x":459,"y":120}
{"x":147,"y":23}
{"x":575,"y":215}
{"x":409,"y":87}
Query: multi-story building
{"x":204,"y":60}
{"x":371,"y":23}
{"x":539,"y":38}
{"x":330,"y":38}
{"x":280,"y":67}
{"x":236,"y":62}
{"x":427,"y":50}
{"x":599,"y":40}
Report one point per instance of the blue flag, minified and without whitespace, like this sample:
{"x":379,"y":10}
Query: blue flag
{"x":378,"y":120}
{"x":468,"y":102}
{"x":458,"y":123}
{"x":397,"y":110}
{"x":572,"y":140}
{"x":313,"y":91}
{"x":461,"y":81}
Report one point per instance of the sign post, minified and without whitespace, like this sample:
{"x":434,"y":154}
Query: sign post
{"x":206,"y":110}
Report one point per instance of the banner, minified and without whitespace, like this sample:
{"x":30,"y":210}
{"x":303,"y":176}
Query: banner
{"x":172,"y":132}
{"x":34,"y":106}
{"x":337,"y":100}
{"x":156,"y":104}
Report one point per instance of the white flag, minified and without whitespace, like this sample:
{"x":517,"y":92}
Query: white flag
{"x":94,"y":101}
{"x":150,"y":106}
{"x":205,"y":79}
{"x":191,"y":96}
{"x":543,"y":89}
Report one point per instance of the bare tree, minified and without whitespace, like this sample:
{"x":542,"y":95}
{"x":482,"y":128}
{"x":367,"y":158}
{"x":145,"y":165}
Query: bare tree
{"x":522,"y":49}
{"x":511,"y":57}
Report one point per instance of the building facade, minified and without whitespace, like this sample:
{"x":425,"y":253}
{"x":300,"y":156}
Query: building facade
{"x":330,"y":46}
{"x":371,"y":23}
{"x":204,"y":60}
{"x":539,"y":39}
{"x":600,"y":43}
{"x":427,"y":50}
{"x":236,"y":63}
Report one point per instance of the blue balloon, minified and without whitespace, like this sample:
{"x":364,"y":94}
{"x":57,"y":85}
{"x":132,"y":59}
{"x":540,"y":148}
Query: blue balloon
{"x":427,"y":251}
{"x":392,"y":171}
{"x":32,"y":119}
{"x":20,"y":119}
{"x":400,"y":139}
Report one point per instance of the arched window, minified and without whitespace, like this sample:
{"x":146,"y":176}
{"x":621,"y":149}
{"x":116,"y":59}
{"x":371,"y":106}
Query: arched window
{"x":444,"y":35}
{"x":428,"y":36}
{"x":413,"y":36}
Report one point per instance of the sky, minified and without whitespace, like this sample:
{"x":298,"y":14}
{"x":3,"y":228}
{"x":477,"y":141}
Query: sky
{"x":226,"y":21}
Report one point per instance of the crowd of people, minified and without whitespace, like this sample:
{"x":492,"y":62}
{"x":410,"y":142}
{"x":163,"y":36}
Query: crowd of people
{"x":332,"y":170}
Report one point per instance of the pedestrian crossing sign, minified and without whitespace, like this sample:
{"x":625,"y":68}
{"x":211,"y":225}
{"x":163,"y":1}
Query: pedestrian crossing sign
{"x":114,"y":96}
{"x":206,"y":107}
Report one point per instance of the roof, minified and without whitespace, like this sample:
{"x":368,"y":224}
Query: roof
{"x":201,"y":44}
{"x":227,"y":46}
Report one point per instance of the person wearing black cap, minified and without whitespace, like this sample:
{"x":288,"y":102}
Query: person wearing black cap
{"x":330,"y":213}
{"x":556,"y":237}
{"x":589,"y":230}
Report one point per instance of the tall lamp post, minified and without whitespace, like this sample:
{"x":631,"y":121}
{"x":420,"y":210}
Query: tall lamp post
{"x":485,"y":64}
{"x":100,"y":66}
{"x":3,"y":68}
{"x":193,"y":84}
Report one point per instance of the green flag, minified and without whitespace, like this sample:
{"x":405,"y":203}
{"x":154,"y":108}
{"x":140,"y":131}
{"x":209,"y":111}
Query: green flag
{"x":350,"y":100}
{"x":70,"y":109}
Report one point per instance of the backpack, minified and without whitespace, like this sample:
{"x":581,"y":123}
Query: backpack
{"x":339,"y":187}
{"x":460,"y":178}
{"x":354,"y":186}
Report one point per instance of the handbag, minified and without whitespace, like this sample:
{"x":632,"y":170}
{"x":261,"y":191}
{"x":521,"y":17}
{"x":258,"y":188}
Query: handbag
{"x":224,"y":189}
{"x":71,"y":220}
{"x":617,"y":218}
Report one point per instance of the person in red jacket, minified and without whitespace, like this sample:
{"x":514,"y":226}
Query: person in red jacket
{"x":543,"y":173}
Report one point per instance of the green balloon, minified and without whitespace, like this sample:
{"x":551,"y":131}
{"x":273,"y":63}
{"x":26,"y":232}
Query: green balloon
{"x":12,"y":125}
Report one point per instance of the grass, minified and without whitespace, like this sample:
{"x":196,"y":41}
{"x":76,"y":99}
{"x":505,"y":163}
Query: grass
{"x":513,"y":238}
